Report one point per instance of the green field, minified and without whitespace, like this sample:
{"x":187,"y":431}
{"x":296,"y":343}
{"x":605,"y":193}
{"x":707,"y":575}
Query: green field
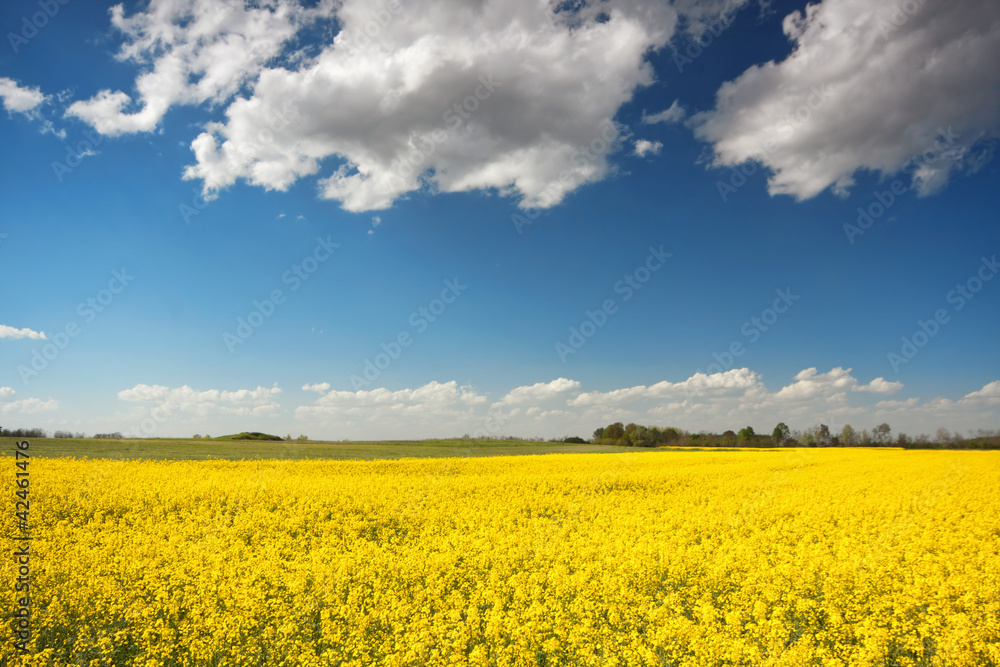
{"x":234,"y":450}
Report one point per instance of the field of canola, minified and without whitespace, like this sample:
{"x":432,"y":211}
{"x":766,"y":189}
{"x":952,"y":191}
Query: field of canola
{"x":773,"y":557}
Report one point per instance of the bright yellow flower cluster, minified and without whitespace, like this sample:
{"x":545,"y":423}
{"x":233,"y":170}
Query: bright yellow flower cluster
{"x":766,"y":557}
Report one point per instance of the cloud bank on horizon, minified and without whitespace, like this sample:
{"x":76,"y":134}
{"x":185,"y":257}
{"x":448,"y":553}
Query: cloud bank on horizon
{"x":730,"y":399}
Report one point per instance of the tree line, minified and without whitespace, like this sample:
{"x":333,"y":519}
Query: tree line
{"x":42,"y":433}
{"x":635,"y":435}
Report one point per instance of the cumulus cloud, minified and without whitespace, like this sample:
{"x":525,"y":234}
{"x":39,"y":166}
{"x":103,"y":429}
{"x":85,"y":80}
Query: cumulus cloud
{"x":732,"y":382}
{"x":6,"y":392}
{"x":319,"y":388}
{"x":11,"y":332}
{"x":19,"y":99}
{"x":201,"y":403}
{"x":811,"y":384}
{"x":540,"y":391}
{"x":876,"y":86}
{"x":512,"y":96}
{"x":714,"y":402}
{"x":643,"y":147}
{"x":431,"y":396}
{"x":30,"y":406}
{"x":501,"y":96}
{"x":192,"y":51}
{"x":672,"y":114}
{"x":988,"y":394}
{"x":880,"y":386}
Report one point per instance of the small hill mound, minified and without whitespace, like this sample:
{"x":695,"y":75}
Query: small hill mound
{"x":248,"y":435}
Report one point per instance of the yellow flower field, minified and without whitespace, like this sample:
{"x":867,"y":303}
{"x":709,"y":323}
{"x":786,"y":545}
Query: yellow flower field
{"x":766,"y":557}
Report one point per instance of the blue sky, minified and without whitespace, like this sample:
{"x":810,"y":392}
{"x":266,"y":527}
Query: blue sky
{"x":624,"y":211}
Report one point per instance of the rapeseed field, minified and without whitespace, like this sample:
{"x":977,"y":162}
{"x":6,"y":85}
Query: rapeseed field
{"x":765,"y":557}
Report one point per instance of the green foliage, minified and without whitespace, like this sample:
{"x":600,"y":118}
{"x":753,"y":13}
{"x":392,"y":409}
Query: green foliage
{"x":614,"y":432}
{"x":637,"y":435}
{"x":249,"y":435}
{"x":746,"y":434}
{"x":575,"y":440}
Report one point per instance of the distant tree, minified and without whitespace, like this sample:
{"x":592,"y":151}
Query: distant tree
{"x":729,"y":436}
{"x":638,"y":436}
{"x":781,"y":434}
{"x":943,"y":437}
{"x":575,"y":440}
{"x":599,"y":434}
{"x":902,"y":440}
{"x":881,"y":434}
{"x":196,"y":436}
{"x":823,"y":436}
{"x":670,"y":434}
{"x":464,"y":437}
{"x":746,"y":434}
{"x":614,"y":432}
{"x":303,"y":437}
{"x":62,"y":434}
{"x":848,"y":436}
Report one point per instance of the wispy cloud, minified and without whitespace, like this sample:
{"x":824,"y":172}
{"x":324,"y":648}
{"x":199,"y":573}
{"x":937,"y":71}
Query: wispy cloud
{"x":11,"y":332}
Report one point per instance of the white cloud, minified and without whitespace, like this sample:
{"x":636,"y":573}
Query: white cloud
{"x":496,"y":96}
{"x":880,"y":386}
{"x":642,"y":147}
{"x":201,"y":403}
{"x":809,"y":384}
{"x":432,"y":396}
{"x":11,"y":332}
{"x":319,"y":388}
{"x":540,"y":391}
{"x":19,"y":99}
{"x":863,"y":89}
{"x":898,"y":405}
{"x":31,"y":406}
{"x":672,"y":114}
{"x":988,"y":394}
{"x":192,"y":51}
{"x":6,"y":392}
{"x":715,"y":402}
